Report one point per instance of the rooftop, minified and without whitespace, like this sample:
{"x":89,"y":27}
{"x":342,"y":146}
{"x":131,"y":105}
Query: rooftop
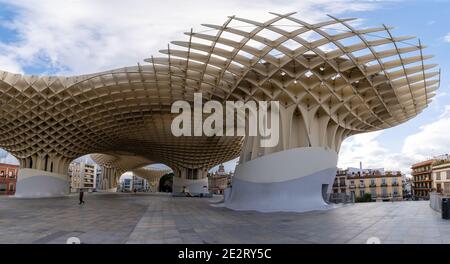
{"x":422,"y":163}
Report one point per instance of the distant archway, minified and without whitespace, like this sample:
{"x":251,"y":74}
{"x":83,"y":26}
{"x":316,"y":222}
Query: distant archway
{"x":166,"y":182}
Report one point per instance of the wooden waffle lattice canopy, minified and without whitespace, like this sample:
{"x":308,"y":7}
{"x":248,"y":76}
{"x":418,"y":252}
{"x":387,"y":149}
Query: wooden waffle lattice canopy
{"x":361,"y":79}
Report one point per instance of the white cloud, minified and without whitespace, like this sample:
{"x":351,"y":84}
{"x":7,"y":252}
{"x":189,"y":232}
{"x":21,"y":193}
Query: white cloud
{"x":362,"y":148}
{"x":447,"y":38}
{"x":7,"y":158}
{"x":76,"y":37}
{"x":368,"y":149}
{"x":84,"y":36}
{"x":431,"y":140}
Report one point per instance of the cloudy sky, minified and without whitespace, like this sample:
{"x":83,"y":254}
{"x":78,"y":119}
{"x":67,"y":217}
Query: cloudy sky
{"x":84,"y":36}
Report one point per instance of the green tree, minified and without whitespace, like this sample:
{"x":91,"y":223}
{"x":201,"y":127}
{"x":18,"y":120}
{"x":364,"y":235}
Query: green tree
{"x":364,"y":199}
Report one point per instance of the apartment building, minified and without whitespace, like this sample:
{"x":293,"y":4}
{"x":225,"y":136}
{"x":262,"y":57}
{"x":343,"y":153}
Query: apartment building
{"x":219,"y":181}
{"x":381,"y":185}
{"x":82,"y":176}
{"x":422,"y":179}
{"x":441,"y":175}
{"x":8,"y":178}
{"x":134,"y":183}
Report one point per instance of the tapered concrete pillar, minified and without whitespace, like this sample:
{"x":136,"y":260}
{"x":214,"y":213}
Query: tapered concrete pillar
{"x":292,"y":180}
{"x":294,"y":175}
{"x":43,"y":176}
{"x":109,"y":179}
{"x":195,"y":180}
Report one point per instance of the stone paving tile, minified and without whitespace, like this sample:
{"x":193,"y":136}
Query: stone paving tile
{"x":100,"y":220}
{"x":151,"y":218}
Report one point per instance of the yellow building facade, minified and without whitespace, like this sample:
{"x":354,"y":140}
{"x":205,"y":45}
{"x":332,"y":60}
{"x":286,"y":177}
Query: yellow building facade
{"x":382,"y":186}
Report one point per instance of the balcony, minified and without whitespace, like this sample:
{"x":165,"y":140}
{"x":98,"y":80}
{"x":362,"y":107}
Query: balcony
{"x":342,"y":184}
{"x":373,"y":185}
{"x":362,"y":185}
{"x":395,"y":184}
{"x":420,"y":172}
{"x":352,"y":186}
{"x":423,"y":180}
{"x":383,"y":184}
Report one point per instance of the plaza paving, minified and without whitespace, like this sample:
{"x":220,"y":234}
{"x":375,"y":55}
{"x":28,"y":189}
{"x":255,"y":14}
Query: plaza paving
{"x":159,"y":218}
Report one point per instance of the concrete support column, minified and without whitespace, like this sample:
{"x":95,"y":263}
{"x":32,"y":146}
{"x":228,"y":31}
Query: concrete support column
{"x":195,"y":180}
{"x":109,"y":178}
{"x":294,"y":175}
{"x":43,"y":176}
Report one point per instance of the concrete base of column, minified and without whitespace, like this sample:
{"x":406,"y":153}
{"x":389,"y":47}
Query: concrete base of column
{"x":33,"y":183}
{"x":194,"y":187}
{"x":295,"y":180}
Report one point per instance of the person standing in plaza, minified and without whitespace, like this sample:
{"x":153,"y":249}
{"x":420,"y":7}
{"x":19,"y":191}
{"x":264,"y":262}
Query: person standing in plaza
{"x":81,"y":196}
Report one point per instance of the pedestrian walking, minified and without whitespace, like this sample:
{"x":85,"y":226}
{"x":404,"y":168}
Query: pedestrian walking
{"x":81,"y":196}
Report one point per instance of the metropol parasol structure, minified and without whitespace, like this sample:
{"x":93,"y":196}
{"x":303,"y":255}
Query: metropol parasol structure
{"x":332,"y":81}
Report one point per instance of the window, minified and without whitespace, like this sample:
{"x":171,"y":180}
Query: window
{"x":11,"y":187}
{"x":361,"y":193}
{"x":2,"y":187}
{"x":383,"y":181}
{"x":384,"y":192}
{"x":437,"y":176}
{"x":372,"y":181}
{"x":373,"y":193}
{"x":2,"y":173}
{"x":446,"y":187}
{"x":448,"y":175}
{"x":395,"y":192}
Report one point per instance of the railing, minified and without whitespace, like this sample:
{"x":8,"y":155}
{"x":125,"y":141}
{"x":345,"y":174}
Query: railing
{"x":352,"y":186}
{"x":395,"y":184}
{"x":436,"y":201}
{"x":421,"y":188}
{"x":383,"y":185}
{"x":339,"y":198}
{"x":372,"y":185}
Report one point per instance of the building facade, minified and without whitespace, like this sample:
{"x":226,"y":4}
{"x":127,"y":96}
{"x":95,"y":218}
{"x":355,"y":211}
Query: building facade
{"x":441,"y":176}
{"x":82,"y":176}
{"x":140,"y":184}
{"x":127,"y":185}
{"x":134,"y":183}
{"x":357,"y":183}
{"x":422,"y":179}
{"x":219,"y":181}
{"x":407,"y":187}
{"x":340,"y":185}
{"x":8,"y":178}
{"x":98,"y":178}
